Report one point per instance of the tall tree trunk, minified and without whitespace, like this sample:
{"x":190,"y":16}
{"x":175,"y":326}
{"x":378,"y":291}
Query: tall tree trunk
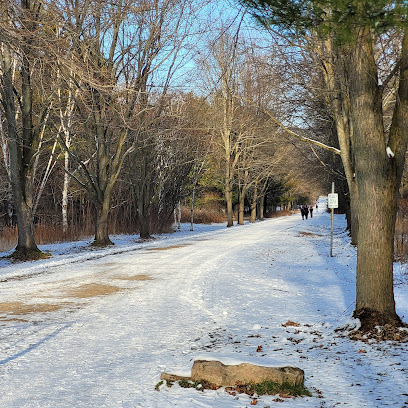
{"x":228,"y":199}
{"x":177,"y":215}
{"x":102,"y":224}
{"x":241,"y":207}
{"x":65,"y":189}
{"x":261,"y":207}
{"x":228,"y":188}
{"x":338,"y":99}
{"x":192,"y":207}
{"x":143,"y":199}
{"x":6,"y":159}
{"x":353,"y":205}
{"x":378,"y":184}
{"x":143,"y":211}
{"x":22,"y":149}
{"x":66,"y":122}
{"x":253,"y":204}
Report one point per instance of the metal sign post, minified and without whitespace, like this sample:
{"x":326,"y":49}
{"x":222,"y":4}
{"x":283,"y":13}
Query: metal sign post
{"x":332,"y":202}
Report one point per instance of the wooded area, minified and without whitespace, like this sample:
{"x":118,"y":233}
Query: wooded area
{"x":114,"y":113}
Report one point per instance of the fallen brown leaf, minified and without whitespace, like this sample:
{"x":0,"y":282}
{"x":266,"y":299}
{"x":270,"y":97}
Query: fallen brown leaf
{"x":290,"y":323}
{"x":284,"y":395}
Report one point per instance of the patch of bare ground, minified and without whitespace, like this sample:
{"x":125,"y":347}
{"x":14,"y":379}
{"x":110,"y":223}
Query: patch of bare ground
{"x":308,"y":234}
{"x":134,"y":278}
{"x":108,"y":265}
{"x":20,"y":308}
{"x":92,"y":290}
{"x":168,"y":247}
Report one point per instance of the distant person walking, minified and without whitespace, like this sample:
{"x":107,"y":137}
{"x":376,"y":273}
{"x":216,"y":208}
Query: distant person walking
{"x":317,"y":207}
{"x":302,"y":211}
{"x":306,"y":210}
{"x":311,"y":211}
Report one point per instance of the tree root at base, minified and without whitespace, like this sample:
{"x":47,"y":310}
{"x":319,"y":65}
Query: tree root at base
{"x":379,"y":326}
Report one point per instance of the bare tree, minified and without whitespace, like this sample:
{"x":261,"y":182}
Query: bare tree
{"x":221,"y":72}
{"x":24,"y":101}
{"x":162,"y":32}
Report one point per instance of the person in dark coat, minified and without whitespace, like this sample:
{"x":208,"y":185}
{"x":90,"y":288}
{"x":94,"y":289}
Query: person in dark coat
{"x":311,"y":211}
{"x":306,"y":210}
{"x":302,"y":211}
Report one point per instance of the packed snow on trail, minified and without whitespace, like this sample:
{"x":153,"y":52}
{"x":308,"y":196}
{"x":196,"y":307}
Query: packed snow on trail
{"x":96,"y":328}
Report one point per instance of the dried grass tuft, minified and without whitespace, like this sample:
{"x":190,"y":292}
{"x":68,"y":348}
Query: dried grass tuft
{"x":202,"y":216}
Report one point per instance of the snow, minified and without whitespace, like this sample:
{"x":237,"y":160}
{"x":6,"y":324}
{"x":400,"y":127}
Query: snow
{"x":232,"y":359}
{"x":214,"y":292}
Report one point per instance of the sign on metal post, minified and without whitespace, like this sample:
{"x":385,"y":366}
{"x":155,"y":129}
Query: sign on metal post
{"x":332,"y":203}
{"x":333,"y":200}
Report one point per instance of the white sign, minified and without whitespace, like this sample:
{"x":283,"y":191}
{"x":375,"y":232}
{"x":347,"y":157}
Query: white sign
{"x":333,"y":200}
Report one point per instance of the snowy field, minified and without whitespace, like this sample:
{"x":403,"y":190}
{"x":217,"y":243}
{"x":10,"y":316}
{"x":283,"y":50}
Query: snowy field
{"x":95,"y":328}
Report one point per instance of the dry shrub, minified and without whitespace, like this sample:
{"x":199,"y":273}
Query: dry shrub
{"x":401,"y":231}
{"x":47,"y":234}
{"x":280,"y":213}
{"x":202,"y":216}
{"x":8,"y":238}
{"x":44,"y":234}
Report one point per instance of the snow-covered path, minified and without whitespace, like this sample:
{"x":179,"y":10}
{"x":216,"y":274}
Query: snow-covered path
{"x":96,"y":329}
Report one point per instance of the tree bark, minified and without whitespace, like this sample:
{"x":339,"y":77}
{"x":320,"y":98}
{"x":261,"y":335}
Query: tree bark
{"x":261,"y":207}
{"x":144,"y":219}
{"x":241,"y":208}
{"x":378,"y":181}
{"x":22,"y":145}
{"x":228,"y":191}
{"x":102,"y":224}
{"x":253,"y":204}
{"x":143,"y":197}
{"x":338,"y":99}
{"x":65,"y":189}
{"x":192,"y":208}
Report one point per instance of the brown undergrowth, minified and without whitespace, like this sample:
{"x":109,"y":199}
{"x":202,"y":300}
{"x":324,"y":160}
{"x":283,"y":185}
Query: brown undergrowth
{"x":202,"y":216}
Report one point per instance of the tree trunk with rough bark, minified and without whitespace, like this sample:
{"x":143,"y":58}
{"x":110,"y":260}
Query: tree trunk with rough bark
{"x":241,"y":208}
{"x":102,"y":224}
{"x":378,"y":176}
{"x":65,"y":189}
{"x":261,"y":207}
{"x":143,"y":211}
{"x":228,"y":189}
{"x":23,"y":138}
{"x":253,"y":205}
